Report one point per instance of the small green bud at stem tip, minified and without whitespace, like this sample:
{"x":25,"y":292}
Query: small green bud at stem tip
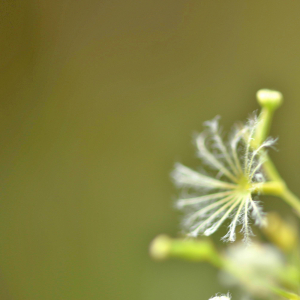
{"x":163,"y":247}
{"x":269,"y":99}
{"x":160,"y":247}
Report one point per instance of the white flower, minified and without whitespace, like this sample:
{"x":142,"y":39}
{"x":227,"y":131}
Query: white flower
{"x":256,"y":267}
{"x":256,"y":261}
{"x":227,"y":194}
{"x":221,"y":297}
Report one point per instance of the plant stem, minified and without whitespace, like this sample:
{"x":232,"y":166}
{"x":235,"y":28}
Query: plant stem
{"x":269,"y":101}
{"x":285,"y":294}
{"x":271,"y":170}
{"x":277,"y":187}
{"x":292,"y":200}
{"x":274,"y":188}
{"x":264,"y":125}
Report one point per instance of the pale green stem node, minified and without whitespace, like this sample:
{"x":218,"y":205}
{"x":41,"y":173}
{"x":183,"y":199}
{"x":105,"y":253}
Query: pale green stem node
{"x":285,"y":294}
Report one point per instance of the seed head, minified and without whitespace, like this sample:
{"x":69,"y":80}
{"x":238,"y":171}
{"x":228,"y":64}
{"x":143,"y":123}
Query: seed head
{"x":208,"y":200}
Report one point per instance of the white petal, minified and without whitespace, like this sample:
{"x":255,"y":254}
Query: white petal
{"x":185,"y":176}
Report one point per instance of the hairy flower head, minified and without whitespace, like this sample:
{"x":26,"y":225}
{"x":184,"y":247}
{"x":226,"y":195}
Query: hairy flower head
{"x":228,"y":193}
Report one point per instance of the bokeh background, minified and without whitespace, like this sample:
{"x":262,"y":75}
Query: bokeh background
{"x":99,"y":98}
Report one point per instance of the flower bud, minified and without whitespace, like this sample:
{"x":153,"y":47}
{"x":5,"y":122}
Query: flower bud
{"x":160,"y":247}
{"x":269,"y":98}
{"x":163,"y":247}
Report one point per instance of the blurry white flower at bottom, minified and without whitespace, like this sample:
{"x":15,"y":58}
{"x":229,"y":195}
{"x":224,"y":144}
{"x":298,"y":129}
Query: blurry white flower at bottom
{"x":228,"y":193}
{"x":221,"y":297}
{"x":255,"y":267}
{"x":256,"y":259}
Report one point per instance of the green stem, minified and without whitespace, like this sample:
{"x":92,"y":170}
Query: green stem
{"x":291,"y":199}
{"x":270,"y":101}
{"x":263,"y":128}
{"x":274,"y":188}
{"x":271,"y":170}
{"x":277,"y":186}
{"x":285,"y":294}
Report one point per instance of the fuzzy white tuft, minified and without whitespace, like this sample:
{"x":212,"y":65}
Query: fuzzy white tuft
{"x":221,"y":297}
{"x":238,"y":167}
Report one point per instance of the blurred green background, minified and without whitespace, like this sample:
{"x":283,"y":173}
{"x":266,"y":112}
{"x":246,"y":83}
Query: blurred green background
{"x":98,"y":100}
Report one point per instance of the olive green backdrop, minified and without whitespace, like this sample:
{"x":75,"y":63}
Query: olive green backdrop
{"x":98,"y":100}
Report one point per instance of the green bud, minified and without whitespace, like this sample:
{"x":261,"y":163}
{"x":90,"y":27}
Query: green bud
{"x":160,"y":247}
{"x":269,"y":99}
{"x":163,"y":247}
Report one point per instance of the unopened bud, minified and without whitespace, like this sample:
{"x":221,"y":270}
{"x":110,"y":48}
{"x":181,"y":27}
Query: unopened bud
{"x":160,"y":247}
{"x":163,"y":247}
{"x":269,"y":98}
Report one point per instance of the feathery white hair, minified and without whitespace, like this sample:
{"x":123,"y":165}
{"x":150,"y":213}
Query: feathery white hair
{"x":228,"y":194}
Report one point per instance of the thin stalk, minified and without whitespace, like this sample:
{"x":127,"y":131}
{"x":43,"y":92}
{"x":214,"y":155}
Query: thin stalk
{"x":271,"y":170}
{"x":265,"y":120}
{"x":292,"y":200}
{"x":277,"y":187}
